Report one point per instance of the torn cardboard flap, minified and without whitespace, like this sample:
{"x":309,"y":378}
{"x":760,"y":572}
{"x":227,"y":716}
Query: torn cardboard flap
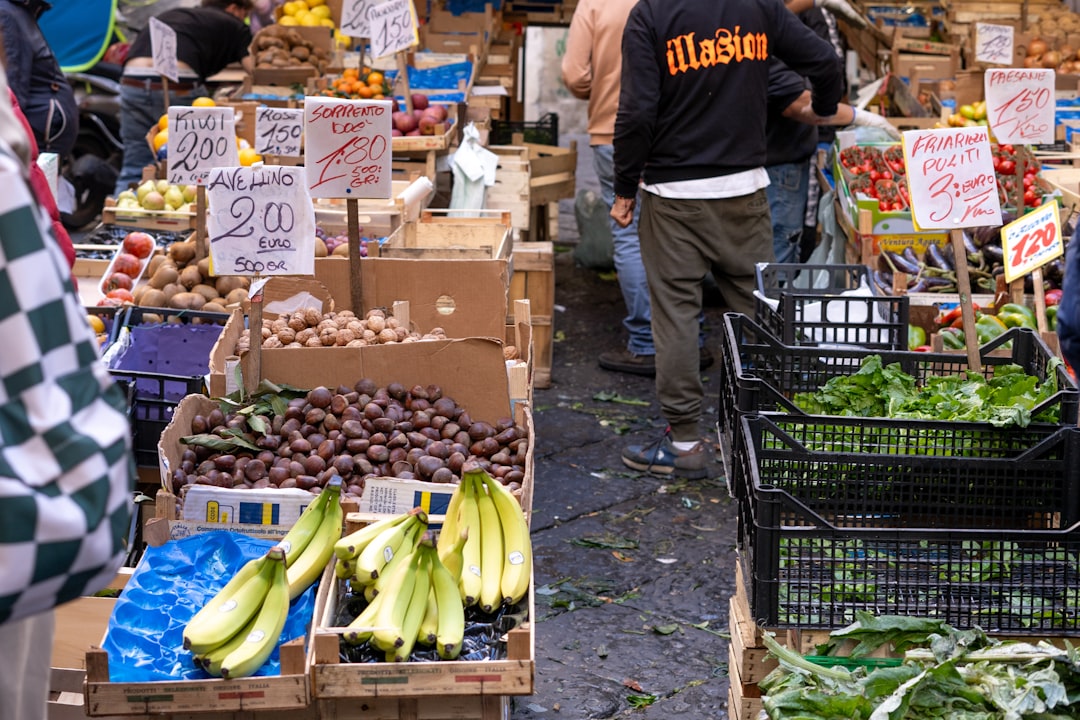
{"x":290,"y":293}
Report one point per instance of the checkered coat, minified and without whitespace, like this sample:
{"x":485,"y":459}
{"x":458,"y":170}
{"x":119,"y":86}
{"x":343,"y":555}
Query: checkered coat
{"x":66,"y":464}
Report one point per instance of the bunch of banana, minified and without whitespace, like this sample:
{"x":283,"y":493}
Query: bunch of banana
{"x":235,"y":633}
{"x":486,"y":522}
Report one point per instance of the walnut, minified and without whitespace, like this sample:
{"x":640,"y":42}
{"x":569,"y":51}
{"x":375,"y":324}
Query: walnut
{"x":306,"y":334}
{"x":510,"y":352}
{"x":345,"y":336}
{"x":296,"y":322}
{"x":341,"y":322}
{"x":356,"y":327}
{"x":313,"y":341}
{"x":375,"y":312}
{"x":294,"y":344}
{"x":400,"y":333}
{"x":387,"y":336}
{"x":312,"y":317}
{"x":266,"y":332}
{"x":347,"y":314}
{"x":393,"y":323}
{"x":286,"y":336}
{"x":272,"y":342}
{"x":370,"y":337}
{"x":376,"y":323}
{"x":356,"y":343}
{"x":279,"y":323}
{"x":328,"y":336}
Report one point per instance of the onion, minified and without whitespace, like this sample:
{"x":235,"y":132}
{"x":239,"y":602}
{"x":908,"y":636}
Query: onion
{"x":1050,"y":59}
{"x":1037,"y":47}
{"x":1031,"y":61}
{"x":1067,"y":52}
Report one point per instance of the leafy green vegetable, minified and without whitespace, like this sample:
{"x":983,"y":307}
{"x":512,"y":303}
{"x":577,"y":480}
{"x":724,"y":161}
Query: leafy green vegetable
{"x":1007,"y":399}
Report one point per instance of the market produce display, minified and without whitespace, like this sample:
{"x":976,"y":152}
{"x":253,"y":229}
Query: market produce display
{"x":158,"y":195}
{"x":311,"y":328}
{"x":1005,"y":399}
{"x":944,"y":673}
{"x":278,"y":46}
{"x":290,"y":438}
{"x":234,"y":634}
{"x":417,"y":591}
{"x":178,"y":280}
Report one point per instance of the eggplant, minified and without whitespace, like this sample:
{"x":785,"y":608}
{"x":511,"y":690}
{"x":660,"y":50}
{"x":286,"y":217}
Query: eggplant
{"x":920,"y":286}
{"x":993,"y":253}
{"x":969,"y":245}
{"x":883,"y":279}
{"x":935,"y":258}
{"x":910,"y":256}
{"x":900,"y":264}
{"x":938,"y":283}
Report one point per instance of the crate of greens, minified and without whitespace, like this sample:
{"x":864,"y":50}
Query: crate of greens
{"x":850,"y":514}
{"x":1021,"y":393}
{"x":828,"y":305}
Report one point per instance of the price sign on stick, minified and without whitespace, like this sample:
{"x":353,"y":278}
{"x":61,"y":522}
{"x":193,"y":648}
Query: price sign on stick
{"x":951,"y":181}
{"x":200,"y":139}
{"x":393,"y":27}
{"x":994,"y":43}
{"x":1031,"y":241}
{"x":354,"y":18}
{"x":163,"y":49}
{"x":347,"y":152}
{"x":279,"y":131}
{"x":1020,"y":105}
{"x":261,"y":221}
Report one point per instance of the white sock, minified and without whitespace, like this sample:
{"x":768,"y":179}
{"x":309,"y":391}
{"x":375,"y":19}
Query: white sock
{"x":684,"y":446}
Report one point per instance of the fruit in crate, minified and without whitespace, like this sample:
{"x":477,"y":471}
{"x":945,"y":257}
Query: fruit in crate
{"x":359,"y":84}
{"x":310,"y":328}
{"x":157,"y":195}
{"x":177,"y":280}
{"x":336,"y":244}
{"x":280,"y":47}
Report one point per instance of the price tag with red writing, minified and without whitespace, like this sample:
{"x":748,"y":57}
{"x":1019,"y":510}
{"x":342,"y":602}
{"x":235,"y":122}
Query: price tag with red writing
{"x":347,"y":153}
{"x":950,"y":176}
{"x":1020,"y":104}
{"x":1031,"y":241}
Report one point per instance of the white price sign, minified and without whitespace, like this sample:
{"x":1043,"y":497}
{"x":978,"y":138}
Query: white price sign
{"x":994,"y":43}
{"x":1020,"y":105}
{"x":1031,"y":241}
{"x":347,"y":153}
{"x":950,"y":176}
{"x":163,"y":49}
{"x":200,"y":139}
{"x":393,"y":27}
{"x":354,"y":18}
{"x":279,"y":131}
{"x":260,"y":221}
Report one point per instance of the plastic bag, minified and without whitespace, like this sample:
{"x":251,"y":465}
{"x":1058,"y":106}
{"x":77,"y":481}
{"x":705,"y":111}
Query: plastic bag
{"x":596,"y":246}
{"x":473,"y":167}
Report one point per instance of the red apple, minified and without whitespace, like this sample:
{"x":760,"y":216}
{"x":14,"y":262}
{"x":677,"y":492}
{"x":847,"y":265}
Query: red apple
{"x":404,"y":122}
{"x":437,"y":111}
{"x":427,"y":125}
{"x":119,"y":280}
{"x":419,"y":101}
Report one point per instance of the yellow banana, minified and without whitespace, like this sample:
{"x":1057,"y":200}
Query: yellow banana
{"x":378,"y":552}
{"x":414,"y":615}
{"x":451,"y":624}
{"x":259,"y":644}
{"x":363,"y":622}
{"x":391,"y":612}
{"x":230,"y":610}
{"x":350,"y":546}
{"x":517,"y":545}
{"x":491,"y":551}
{"x":404,"y":552}
{"x":306,"y":526}
{"x":306,"y":570}
{"x":211,"y":661}
{"x":429,"y":626}
{"x":451,"y":526}
{"x":470,"y":552}
{"x":343,"y":569}
{"x":452,"y":557}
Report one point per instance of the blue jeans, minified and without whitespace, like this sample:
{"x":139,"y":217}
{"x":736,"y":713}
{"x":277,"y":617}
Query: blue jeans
{"x":140,"y":110}
{"x":628,"y":265}
{"x":787,"y":192}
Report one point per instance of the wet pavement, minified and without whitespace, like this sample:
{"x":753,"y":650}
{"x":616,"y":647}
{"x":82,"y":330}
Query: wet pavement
{"x":633,"y":572}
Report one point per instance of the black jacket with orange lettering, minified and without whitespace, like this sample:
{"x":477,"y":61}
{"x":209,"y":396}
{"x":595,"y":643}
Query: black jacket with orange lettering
{"x":695,"y":77}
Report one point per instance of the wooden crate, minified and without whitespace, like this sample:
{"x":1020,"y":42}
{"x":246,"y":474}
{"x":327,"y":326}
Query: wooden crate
{"x":511,"y":191}
{"x":147,"y":219}
{"x":444,"y":707}
{"x":552,"y":171}
{"x":449,"y":237}
{"x":534,"y":280}
{"x":742,"y":706}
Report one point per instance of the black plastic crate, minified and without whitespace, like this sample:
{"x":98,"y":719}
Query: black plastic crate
{"x":760,"y":374}
{"x":114,"y":235}
{"x":139,"y":315}
{"x":544,"y":131}
{"x":154,"y":398}
{"x":809,"y":315}
{"x":987,"y":541}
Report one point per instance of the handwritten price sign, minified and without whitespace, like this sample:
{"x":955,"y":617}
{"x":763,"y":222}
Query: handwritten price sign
{"x":163,"y":49}
{"x":951,"y":178}
{"x":994,"y":43}
{"x":261,"y":221}
{"x":279,"y":131}
{"x":1020,"y":105}
{"x":1031,"y":241}
{"x":200,"y":139}
{"x":393,"y":27}
{"x":354,"y":18}
{"x":348,"y":147}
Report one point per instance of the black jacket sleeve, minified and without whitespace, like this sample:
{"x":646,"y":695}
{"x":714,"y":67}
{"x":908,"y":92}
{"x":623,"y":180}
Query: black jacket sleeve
{"x":19,"y":57}
{"x":808,"y":55}
{"x":635,"y":122}
{"x":785,"y":87}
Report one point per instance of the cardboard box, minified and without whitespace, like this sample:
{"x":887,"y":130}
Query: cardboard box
{"x":320,"y":37}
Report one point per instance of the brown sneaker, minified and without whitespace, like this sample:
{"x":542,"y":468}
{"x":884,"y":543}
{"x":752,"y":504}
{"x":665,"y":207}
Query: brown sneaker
{"x":663,"y":458}
{"x":629,"y":362}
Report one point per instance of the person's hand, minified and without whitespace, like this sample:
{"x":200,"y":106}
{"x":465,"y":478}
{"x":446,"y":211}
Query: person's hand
{"x":844,"y":10}
{"x":865,"y":118}
{"x":622,"y":211}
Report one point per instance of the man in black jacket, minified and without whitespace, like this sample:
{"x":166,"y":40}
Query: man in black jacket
{"x":691,"y":130}
{"x":34,"y":75}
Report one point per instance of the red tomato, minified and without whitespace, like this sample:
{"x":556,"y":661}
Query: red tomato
{"x":119,"y":280}
{"x":1007,"y":167}
{"x":128,"y":264}
{"x":138,"y":244}
{"x":121,"y":295}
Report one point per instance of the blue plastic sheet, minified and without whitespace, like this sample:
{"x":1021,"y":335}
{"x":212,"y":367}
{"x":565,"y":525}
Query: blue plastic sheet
{"x":145,"y":640}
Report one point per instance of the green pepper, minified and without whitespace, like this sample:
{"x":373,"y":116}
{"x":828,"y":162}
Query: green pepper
{"x":952,"y":338}
{"x":1023,"y":311}
{"x":1051,"y":317}
{"x":1012,"y":320}
{"x":989,"y":327}
{"x":916,"y":337}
